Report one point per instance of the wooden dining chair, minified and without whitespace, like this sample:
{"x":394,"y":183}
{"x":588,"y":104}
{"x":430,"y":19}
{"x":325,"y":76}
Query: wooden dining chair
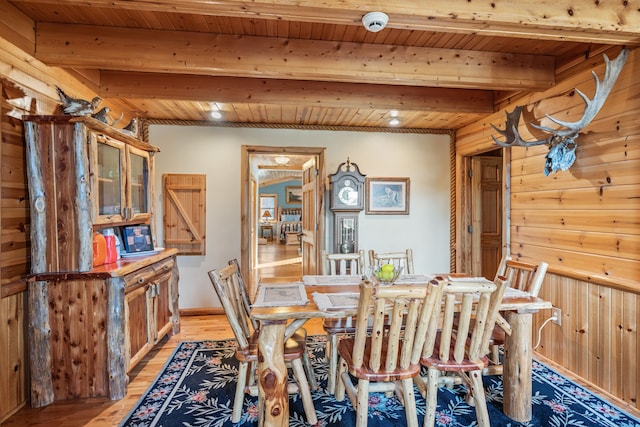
{"x":402,"y":259}
{"x":338,"y":264}
{"x":300,"y":334}
{"x":385,"y":353}
{"x":460,"y":347}
{"x":521,"y":275}
{"x":342,"y":264}
{"x":225,"y":283}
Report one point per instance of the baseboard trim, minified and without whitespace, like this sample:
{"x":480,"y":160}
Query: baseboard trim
{"x":205,"y":311}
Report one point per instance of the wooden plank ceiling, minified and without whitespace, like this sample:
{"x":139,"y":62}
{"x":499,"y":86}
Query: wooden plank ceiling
{"x":437,"y":65}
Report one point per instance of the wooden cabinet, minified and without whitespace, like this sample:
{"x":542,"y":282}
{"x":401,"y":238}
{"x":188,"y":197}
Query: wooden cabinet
{"x":89,"y":326}
{"x":83,"y":175}
{"x":147,"y":304}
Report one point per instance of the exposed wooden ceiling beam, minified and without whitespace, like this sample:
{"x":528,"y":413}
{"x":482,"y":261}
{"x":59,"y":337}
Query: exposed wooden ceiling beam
{"x":132,"y":85}
{"x":86,"y":46}
{"x":599,"y":22}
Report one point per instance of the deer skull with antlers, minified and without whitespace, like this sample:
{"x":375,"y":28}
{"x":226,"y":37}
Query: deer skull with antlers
{"x":562,"y":142}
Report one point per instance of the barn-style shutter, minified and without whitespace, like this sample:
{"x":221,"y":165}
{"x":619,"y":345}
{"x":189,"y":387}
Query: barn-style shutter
{"x":185,"y":213}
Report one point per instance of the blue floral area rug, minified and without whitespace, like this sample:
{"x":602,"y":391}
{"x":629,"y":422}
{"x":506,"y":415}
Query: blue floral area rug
{"x":197,"y":384}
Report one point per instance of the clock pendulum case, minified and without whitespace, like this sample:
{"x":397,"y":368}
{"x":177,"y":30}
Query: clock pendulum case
{"x":347,"y":200}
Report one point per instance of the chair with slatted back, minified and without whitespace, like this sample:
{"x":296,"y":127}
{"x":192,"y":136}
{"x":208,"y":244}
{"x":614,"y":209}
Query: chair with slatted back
{"x":457,"y":342}
{"x":301,"y":333}
{"x":402,"y":259}
{"x":521,"y":275}
{"x":225,"y":282}
{"x":339,"y":264}
{"x":384,"y":355}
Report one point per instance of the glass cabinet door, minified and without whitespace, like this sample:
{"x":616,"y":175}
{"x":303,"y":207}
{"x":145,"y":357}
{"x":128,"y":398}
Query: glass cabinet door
{"x":138,"y":182}
{"x":110,"y":181}
{"x":121,"y":181}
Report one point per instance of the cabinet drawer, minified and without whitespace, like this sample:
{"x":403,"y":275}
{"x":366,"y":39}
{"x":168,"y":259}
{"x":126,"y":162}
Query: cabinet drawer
{"x":142,"y":276}
{"x":163,"y":266}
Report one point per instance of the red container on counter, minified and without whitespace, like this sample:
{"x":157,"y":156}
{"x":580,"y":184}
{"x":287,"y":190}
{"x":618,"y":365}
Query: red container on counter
{"x":111,"y":250}
{"x":99,"y":249}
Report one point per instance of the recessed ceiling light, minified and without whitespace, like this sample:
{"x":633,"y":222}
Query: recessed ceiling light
{"x":394,"y":113}
{"x":216,"y":114}
{"x":394,"y":122}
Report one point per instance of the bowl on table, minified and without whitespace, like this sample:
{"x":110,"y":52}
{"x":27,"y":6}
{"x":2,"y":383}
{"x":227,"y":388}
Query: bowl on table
{"x":386,"y":274}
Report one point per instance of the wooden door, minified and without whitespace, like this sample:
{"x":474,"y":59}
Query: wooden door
{"x":162,"y":306}
{"x":310,"y":208}
{"x":184,"y":213}
{"x":138,"y":314}
{"x":486,"y":183}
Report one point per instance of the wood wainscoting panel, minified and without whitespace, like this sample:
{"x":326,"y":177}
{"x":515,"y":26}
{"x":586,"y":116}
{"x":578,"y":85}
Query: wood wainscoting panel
{"x":598,"y":338}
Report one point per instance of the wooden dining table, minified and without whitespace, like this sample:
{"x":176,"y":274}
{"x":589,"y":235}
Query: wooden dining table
{"x":279,"y":322}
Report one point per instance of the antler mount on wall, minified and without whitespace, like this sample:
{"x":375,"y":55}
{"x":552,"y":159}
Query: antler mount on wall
{"x":562,"y":142}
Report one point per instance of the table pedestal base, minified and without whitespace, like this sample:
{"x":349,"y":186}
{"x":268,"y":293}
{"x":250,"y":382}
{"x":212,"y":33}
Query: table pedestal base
{"x":272,"y":376}
{"x":517,"y":367}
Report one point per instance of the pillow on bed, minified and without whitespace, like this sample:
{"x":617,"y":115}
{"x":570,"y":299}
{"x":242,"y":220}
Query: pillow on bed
{"x":288,"y":218}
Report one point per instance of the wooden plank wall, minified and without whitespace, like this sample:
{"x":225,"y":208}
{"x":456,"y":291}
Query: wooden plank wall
{"x":14,"y":259}
{"x":585,"y":223}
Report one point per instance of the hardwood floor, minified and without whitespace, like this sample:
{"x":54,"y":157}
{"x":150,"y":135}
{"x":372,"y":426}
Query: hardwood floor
{"x":275,"y":260}
{"x":278,"y":260}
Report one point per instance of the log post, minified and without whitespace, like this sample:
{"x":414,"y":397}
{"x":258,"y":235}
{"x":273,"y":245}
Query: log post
{"x":83,"y":203}
{"x":272,"y":374}
{"x":37,"y":199}
{"x":39,"y":345}
{"x":173,"y":297}
{"x":39,"y":332}
{"x":116,"y":357}
{"x":517,"y":367}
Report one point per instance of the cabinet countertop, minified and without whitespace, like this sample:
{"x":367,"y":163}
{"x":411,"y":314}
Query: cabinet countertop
{"x":119,"y":268}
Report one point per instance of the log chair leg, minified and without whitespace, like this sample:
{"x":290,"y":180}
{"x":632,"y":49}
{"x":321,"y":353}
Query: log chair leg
{"x":305,"y":394}
{"x":433,"y":376}
{"x":362,"y":411}
{"x":477,"y":391}
{"x":238,"y":400}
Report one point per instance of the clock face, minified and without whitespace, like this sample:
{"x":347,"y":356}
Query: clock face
{"x":348,"y":196}
{"x":347,"y":190}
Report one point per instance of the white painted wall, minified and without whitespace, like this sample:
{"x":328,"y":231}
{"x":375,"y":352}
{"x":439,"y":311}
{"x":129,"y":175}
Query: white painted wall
{"x":215,"y":151}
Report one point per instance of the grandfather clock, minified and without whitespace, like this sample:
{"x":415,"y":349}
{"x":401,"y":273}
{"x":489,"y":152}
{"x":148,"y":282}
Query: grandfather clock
{"x":347,"y":200}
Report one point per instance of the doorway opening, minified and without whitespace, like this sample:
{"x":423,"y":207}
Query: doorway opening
{"x":279,"y":210}
{"x":274,"y":208}
{"x":486,"y":210}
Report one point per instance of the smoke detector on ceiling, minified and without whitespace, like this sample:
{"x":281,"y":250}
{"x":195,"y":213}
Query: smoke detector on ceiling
{"x":375,"y":21}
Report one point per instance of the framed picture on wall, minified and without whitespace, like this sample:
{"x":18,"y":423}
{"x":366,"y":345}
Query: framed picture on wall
{"x":387,"y":196}
{"x":294,"y":194}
